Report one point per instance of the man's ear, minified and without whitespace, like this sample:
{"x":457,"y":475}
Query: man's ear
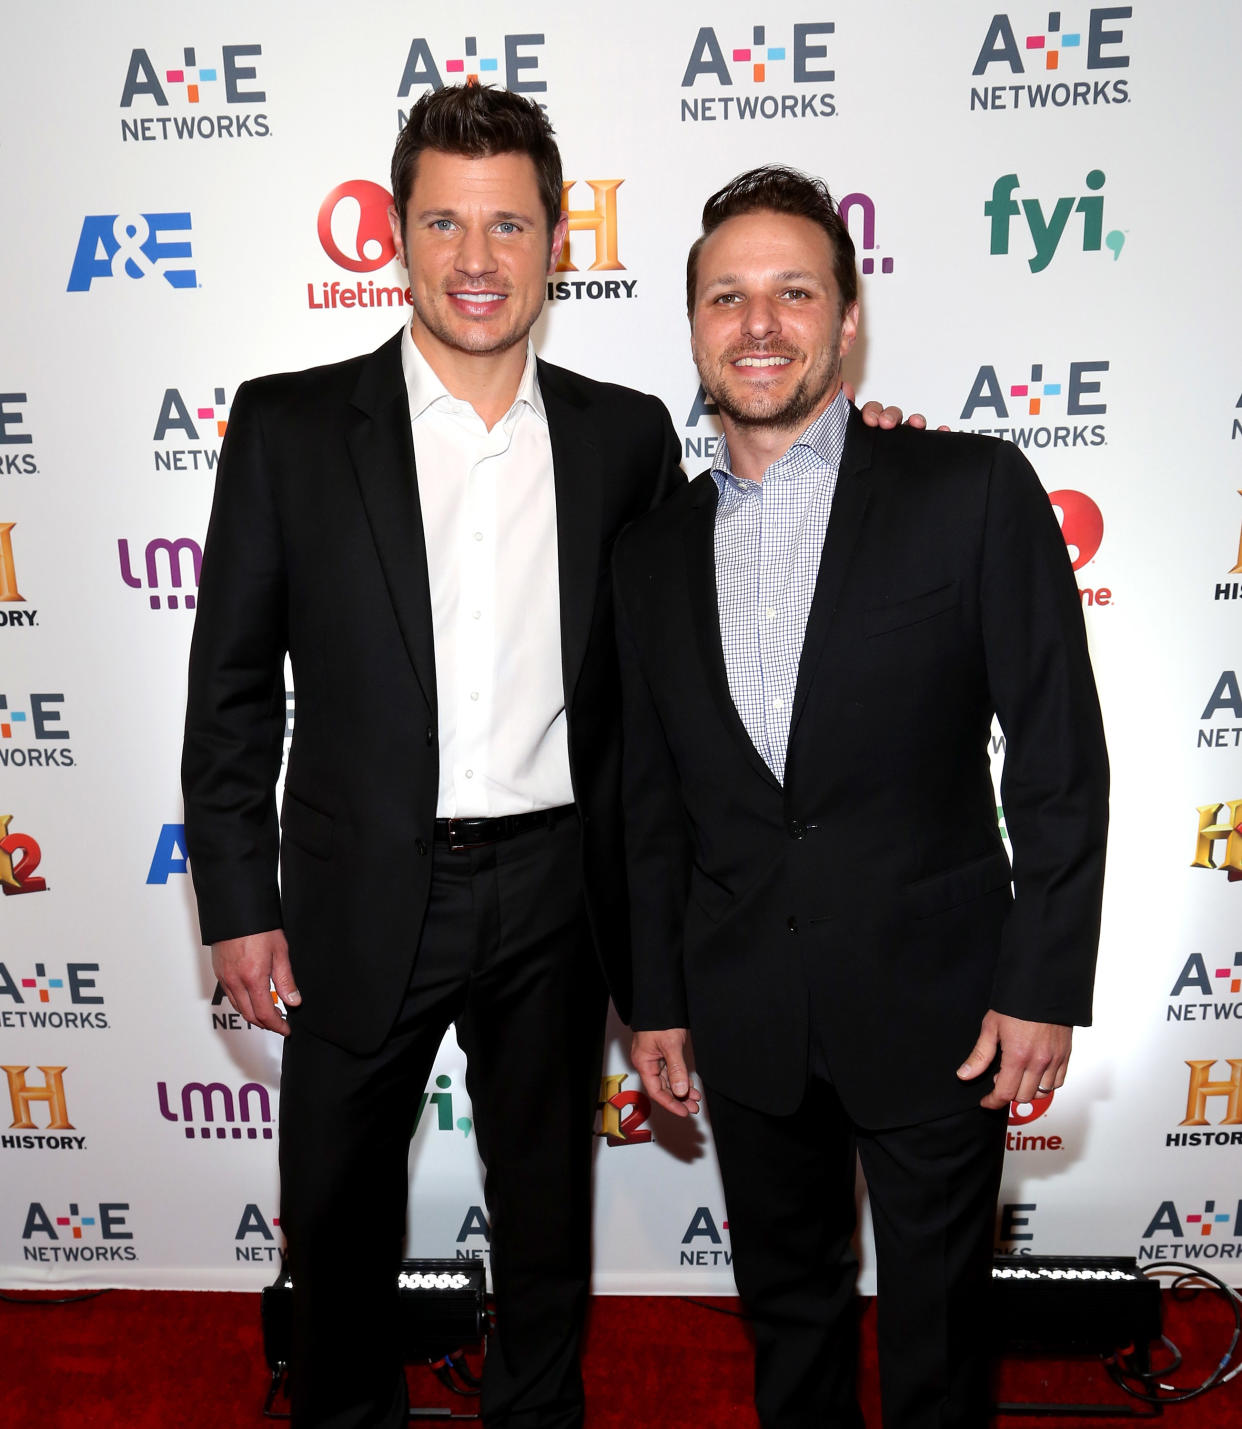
{"x":849,"y":328}
{"x":398,"y":238}
{"x":559,"y":234}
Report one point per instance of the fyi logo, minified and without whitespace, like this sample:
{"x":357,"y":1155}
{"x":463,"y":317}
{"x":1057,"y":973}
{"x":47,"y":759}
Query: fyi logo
{"x":1047,"y":230}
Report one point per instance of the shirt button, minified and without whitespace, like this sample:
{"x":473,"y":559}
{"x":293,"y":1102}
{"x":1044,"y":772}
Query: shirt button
{"x":771,"y":612}
{"x":475,"y":614}
{"x":791,"y":923}
{"x":431,"y":739}
{"x":478,"y":535}
{"x":778,"y":703}
{"x":469,"y":773}
{"x":474,"y":694}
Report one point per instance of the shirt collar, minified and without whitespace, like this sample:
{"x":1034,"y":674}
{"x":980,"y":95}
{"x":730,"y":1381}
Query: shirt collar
{"x":824,"y":439}
{"x":425,"y":389}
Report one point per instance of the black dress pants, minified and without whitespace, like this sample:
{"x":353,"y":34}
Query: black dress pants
{"x":789,"y":1189}
{"x":506,"y":955}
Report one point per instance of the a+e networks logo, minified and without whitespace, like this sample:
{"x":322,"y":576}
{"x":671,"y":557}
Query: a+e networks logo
{"x":188,"y":433}
{"x":1207,"y":989}
{"x":195,"y":87}
{"x":38,"y":998}
{"x":1033,"y":66}
{"x":745,"y":69}
{"x":30,"y":732}
{"x":82,"y":1232}
{"x":513,"y":64}
{"x":11,"y":417}
{"x":1026,"y":406}
{"x":1226,"y":698}
{"x":1208,"y":1230}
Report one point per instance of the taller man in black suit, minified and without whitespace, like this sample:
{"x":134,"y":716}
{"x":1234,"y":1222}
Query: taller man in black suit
{"x":814,"y":638}
{"x":427,"y":531}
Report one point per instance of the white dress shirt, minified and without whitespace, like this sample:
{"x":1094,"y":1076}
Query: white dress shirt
{"x":489,"y":519}
{"x":769,"y":538}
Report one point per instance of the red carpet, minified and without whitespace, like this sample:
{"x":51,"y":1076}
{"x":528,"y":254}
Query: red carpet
{"x":146,"y":1359}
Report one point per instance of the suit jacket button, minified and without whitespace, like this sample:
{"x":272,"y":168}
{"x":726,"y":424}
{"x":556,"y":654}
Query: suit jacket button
{"x":791,"y":923}
{"x":421,"y":846}
{"x":797,"y":829}
{"x":431,"y":739}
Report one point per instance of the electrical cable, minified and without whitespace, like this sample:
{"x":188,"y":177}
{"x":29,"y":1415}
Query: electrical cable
{"x":1157,"y":1392}
{"x":59,"y":1300}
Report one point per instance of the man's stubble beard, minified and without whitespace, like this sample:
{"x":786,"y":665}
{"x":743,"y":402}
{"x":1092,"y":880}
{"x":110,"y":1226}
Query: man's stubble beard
{"x":794,"y":413}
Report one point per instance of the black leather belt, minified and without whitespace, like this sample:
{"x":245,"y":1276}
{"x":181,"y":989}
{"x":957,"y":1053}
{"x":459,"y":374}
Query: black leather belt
{"x":475,"y":833}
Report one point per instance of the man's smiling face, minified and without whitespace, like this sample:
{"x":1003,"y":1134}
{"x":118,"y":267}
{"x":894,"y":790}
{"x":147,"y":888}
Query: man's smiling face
{"x":478,"y":252}
{"x":767,"y":330}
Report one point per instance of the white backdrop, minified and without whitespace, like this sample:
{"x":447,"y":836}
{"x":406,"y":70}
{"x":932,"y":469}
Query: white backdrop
{"x":1047,"y":212}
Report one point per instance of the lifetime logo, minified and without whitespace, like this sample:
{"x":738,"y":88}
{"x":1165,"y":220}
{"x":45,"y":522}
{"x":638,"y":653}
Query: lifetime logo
{"x":1220,"y":823}
{"x":20,"y":855}
{"x":173,"y":551}
{"x":208,"y":1098}
{"x":470,"y":65}
{"x":1046,"y":231}
{"x":134,"y":246}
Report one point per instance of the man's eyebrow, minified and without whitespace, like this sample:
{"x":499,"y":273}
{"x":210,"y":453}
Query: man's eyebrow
{"x":500,"y":215}
{"x":790,"y":275}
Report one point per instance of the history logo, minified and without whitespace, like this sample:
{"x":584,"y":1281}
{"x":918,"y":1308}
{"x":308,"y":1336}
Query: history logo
{"x":758,"y":72}
{"x":189,"y":94}
{"x":1067,"y":60}
{"x":1214,"y":1086}
{"x":1220,"y":824}
{"x":12,"y":616}
{"x":45,"y":1096}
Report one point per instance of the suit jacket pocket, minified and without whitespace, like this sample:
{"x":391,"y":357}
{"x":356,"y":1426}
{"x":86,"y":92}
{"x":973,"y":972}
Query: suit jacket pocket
{"x":306,"y":827}
{"x":881,"y":619}
{"x":958,"y":885}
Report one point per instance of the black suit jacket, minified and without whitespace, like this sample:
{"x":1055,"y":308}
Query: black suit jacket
{"x":869,"y":898}
{"x":316,"y":547}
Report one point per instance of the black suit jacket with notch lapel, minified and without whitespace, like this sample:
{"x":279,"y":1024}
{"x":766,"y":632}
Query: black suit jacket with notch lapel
{"x":869,"y":898}
{"x":316,"y":547}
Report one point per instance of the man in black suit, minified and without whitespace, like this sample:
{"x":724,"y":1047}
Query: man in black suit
{"x":814,"y":638}
{"x":427,"y":531}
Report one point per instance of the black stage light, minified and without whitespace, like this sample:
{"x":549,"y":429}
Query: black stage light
{"x":1075,"y":1304}
{"x":441,"y":1309}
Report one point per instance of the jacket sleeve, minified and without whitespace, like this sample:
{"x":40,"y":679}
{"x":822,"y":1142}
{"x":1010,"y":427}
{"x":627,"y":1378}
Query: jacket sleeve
{"x":657,"y":842}
{"x":235,"y":711}
{"x":1054,"y":788}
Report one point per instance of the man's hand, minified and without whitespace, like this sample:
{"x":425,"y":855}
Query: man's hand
{"x":1034,"y":1056}
{"x":659,"y":1058}
{"x":246,"y":966}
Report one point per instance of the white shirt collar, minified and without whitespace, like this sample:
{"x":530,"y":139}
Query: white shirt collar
{"x":426,"y":390}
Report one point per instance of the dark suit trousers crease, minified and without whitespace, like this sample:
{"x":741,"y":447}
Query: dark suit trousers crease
{"x":506,"y":954}
{"x":932,"y":1187}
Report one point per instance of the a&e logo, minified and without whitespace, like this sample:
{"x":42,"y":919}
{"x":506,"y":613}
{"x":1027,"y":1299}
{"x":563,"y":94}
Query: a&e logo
{"x":1051,"y":58}
{"x":1047,"y":230}
{"x":133,"y":246}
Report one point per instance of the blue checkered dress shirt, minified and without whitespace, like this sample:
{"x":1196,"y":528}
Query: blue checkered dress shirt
{"x":769,"y":537}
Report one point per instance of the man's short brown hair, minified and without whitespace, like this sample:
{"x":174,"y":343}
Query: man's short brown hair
{"x":777,"y":189}
{"x":478,"y":120}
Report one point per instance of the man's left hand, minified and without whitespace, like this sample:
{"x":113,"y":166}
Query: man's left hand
{"x":1034,"y":1056}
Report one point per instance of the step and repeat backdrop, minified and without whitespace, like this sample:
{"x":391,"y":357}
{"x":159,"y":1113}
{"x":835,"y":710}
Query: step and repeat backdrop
{"x":1047,"y":218}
